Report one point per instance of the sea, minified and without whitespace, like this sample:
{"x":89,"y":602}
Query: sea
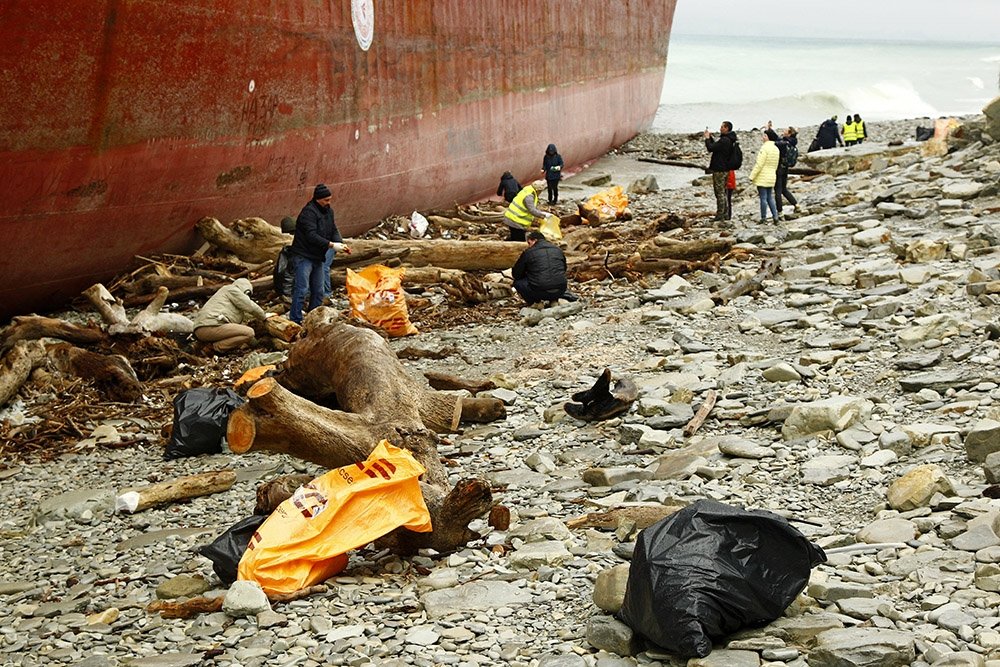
{"x":800,"y":81}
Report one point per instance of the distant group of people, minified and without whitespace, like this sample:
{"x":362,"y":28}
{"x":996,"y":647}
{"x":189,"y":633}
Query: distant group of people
{"x":830,"y":134}
{"x":769,"y":174}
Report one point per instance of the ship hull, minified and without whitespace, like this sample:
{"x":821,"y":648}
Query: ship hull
{"x":146,"y":143}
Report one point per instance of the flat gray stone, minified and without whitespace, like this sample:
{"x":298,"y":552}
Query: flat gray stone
{"x":474,"y":596}
{"x":863,"y":647}
{"x":79,"y":505}
{"x":607,"y":633}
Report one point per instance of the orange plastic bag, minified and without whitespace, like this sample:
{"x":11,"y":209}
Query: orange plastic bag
{"x":306,"y":539}
{"x":377,"y":297}
{"x":608,"y":204}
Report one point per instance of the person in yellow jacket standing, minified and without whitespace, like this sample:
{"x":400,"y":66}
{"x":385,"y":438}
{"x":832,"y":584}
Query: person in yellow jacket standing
{"x":860,"y":131}
{"x":850,"y":131}
{"x":765,"y":174}
{"x":521,"y":213}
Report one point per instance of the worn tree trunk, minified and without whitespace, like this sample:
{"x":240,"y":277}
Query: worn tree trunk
{"x":192,"y":486}
{"x":194,"y":292}
{"x":378,"y":400}
{"x":33,"y":327}
{"x":357,"y":366}
{"x":16,"y":366}
{"x":110,"y":373}
{"x":467,"y":255}
{"x":149,"y":320}
{"x":252,"y":240}
{"x":748,"y":284}
{"x":275,"y":419}
{"x":675,"y":267}
{"x":668,"y":248}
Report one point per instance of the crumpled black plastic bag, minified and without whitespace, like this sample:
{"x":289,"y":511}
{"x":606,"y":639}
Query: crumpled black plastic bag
{"x":200,"y":417}
{"x":710,"y":570}
{"x":227,"y":549}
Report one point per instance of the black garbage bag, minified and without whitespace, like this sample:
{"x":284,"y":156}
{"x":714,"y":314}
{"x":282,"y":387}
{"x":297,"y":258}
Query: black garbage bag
{"x":283,"y":275}
{"x":200,"y":417}
{"x":710,"y":570}
{"x":227,"y":549}
{"x":924,"y":133}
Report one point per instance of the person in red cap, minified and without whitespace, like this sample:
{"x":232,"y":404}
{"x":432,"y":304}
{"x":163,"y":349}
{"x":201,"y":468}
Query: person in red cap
{"x":316,"y":233}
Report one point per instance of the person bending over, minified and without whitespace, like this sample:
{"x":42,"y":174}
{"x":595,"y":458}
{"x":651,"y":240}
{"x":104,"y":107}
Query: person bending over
{"x":221,"y":320}
{"x":540,"y":272}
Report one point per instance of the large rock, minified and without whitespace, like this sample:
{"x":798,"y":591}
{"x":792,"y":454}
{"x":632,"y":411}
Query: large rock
{"x":609,"y":634}
{"x":245,"y":598}
{"x":917,"y":487}
{"x":863,"y":647}
{"x":609,"y":589}
{"x":930,"y":327}
{"x":831,"y":414}
{"x":83,"y":505}
{"x":983,"y":440}
{"x":888,"y":530}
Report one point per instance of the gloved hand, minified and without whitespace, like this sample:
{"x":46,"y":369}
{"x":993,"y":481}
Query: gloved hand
{"x":341,"y":247}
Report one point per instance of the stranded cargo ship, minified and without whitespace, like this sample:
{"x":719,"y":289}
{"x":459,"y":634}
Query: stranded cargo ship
{"x":123,"y":122}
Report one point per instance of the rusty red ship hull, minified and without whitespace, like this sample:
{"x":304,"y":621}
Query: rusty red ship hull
{"x":123,"y":122}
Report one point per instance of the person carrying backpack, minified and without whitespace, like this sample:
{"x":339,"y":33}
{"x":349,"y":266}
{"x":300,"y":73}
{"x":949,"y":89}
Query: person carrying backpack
{"x":788,"y":146}
{"x":725,"y":156}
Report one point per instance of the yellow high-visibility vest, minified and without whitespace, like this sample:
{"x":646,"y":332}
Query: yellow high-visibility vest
{"x":517,"y":211}
{"x":850,"y":132}
{"x":859,"y":129}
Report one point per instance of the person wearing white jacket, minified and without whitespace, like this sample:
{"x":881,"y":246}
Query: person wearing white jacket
{"x":764,"y":175}
{"x":221,"y":320}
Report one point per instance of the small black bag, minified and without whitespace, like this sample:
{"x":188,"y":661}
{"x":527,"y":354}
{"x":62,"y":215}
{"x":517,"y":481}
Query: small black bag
{"x":227,"y":549}
{"x":710,"y":570}
{"x":200,"y":418}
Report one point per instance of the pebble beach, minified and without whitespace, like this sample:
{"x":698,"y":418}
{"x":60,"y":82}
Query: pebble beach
{"x":858,"y":397}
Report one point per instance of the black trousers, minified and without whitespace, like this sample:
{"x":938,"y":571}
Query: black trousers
{"x":516,"y":234}
{"x":532,"y":295}
{"x":781,"y":188}
{"x":553,"y":187}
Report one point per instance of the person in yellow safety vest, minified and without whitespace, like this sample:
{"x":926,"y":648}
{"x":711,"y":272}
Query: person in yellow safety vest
{"x":521,"y":213}
{"x":850,"y":133}
{"x":860,"y":131}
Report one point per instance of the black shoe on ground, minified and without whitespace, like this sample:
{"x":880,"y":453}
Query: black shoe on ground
{"x":569,"y":296}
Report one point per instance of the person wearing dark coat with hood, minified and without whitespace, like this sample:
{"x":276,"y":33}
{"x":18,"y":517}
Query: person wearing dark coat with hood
{"x":552,"y":165}
{"x":540,"y":272}
{"x":509,"y":187}
{"x":827,"y":136}
{"x":315,"y":233}
{"x":788,"y":140}
{"x":719,"y":165}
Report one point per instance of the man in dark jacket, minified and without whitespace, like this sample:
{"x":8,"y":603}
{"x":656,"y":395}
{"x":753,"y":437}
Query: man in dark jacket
{"x":722,"y":155}
{"x":540,"y":272}
{"x":315,"y":234}
{"x":828,"y":134}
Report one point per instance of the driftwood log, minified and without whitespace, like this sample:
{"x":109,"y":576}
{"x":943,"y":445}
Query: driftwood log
{"x":111,"y":373}
{"x":16,"y":366}
{"x":149,"y":320}
{"x":446,"y":382}
{"x":33,"y":327}
{"x":699,"y":418}
{"x":252,"y":240}
{"x":356,"y":368}
{"x":664,"y":247}
{"x":748,"y":284}
{"x":467,"y":255}
{"x":192,"y":486}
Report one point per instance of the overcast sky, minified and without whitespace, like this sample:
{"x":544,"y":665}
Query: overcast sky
{"x":951,"y":20}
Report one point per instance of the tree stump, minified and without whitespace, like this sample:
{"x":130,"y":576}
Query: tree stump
{"x":357,"y":369}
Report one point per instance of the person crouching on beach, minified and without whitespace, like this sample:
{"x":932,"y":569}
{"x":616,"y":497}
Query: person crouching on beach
{"x":720,"y":165}
{"x":509,"y":187}
{"x":220,"y":321}
{"x":521,"y":213}
{"x":764,"y":175}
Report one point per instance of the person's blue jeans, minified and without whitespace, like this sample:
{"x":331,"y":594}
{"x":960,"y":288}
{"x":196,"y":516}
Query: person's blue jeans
{"x":308,"y":278}
{"x":767,"y":202}
{"x":327,"y":261}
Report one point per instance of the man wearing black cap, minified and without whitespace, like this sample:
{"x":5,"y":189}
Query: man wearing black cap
{"x":315,"y":235}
